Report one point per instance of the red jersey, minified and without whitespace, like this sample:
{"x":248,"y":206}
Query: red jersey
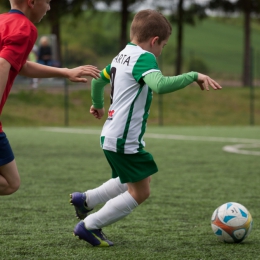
{"x":17,"y":38}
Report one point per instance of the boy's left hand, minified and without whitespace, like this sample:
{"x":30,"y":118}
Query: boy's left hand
{"x":205,"y":81}
{"x":97,"y":112}
{"x":77,"y":74}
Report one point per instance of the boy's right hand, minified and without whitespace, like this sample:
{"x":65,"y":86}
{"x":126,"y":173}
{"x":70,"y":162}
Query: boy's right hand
{"x":78,"y":74}
{"x":205,"y":81}
{"x":97,"y":113}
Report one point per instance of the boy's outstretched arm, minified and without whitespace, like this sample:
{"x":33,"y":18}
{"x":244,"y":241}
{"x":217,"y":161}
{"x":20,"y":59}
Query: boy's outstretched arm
{"x":162,"y":84}
{"x":35,"y":70}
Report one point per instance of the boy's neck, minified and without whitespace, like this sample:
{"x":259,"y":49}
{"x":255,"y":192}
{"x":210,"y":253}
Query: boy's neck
{"x":22,"y":7}
{"x":144,"y":45}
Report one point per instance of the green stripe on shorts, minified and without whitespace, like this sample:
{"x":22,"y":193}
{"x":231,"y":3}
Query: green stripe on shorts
{"x":131,"y":167}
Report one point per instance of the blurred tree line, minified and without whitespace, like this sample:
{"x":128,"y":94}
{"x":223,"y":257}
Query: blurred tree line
{"x":180,"y":12}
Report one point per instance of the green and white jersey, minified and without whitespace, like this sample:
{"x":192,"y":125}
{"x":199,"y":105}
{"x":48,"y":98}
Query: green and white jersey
{"x":130,"y":100}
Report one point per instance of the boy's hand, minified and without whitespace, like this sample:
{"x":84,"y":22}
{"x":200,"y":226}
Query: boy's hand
{"x":97,"y":113}
{"x":205,"y":81}
{"x":77,"y":74}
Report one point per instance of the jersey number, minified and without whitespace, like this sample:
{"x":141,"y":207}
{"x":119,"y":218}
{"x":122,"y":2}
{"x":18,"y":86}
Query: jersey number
{"x":112,"y":76}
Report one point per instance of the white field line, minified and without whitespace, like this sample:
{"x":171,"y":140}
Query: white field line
{"x":246,"y":143}
{"x":237,"y":149}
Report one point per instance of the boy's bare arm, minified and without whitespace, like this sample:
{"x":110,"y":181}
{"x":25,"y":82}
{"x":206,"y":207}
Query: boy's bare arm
{"x":4,"y":72}
{"x":35,"y":70}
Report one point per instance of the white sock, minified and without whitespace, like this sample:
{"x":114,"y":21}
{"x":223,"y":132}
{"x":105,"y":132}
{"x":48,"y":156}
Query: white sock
{"x":114,"y":210}
{"x":105,"y":192}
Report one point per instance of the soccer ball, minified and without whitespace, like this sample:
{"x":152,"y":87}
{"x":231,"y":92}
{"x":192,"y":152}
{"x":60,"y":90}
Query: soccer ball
{"x":231,"y":222}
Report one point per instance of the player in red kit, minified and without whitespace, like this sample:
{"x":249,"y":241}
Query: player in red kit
{"x":18,"y":35}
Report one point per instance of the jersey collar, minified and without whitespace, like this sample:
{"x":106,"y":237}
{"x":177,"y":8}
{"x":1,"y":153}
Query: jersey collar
{"x":130,"y":43}
{"x":15,"y":11}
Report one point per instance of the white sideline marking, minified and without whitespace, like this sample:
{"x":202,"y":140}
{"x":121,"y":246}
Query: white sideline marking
{"x":247,"y":143}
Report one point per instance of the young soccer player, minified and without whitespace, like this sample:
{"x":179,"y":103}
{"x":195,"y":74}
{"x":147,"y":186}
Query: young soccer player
{"x":17,"y":38}
{"x":133,"y":75}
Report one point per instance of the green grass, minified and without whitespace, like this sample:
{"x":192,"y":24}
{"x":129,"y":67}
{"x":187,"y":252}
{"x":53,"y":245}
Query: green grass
{"x":194,"y":178}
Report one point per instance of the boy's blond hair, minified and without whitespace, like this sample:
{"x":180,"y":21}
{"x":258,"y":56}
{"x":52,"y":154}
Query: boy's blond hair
{"x":149,"y":23}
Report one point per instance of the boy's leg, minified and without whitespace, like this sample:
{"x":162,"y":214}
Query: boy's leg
{"x":85,"y":202}
{"x":140,"y":190}
{"x":114,"y":210}
{"x":9,"y":178}
{"x":105,"y":192}
{"x":120,"y":206}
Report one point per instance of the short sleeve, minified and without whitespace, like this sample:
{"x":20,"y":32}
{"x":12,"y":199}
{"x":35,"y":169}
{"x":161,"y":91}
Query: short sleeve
{"x":145,"y":64}
{"x":16,"y":49}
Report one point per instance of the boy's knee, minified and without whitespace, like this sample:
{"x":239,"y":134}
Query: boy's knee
{"x":147,"y":194}
{"x":13,"y":187}
{"x":141,"y":197}
{"x":16,"y":186}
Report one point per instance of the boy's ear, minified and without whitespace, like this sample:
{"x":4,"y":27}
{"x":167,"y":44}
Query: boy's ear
{"x":154,"y":40}
{"x":30,"y":3}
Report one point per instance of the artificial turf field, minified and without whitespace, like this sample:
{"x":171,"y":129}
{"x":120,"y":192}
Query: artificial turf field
{"x":195,"y":176}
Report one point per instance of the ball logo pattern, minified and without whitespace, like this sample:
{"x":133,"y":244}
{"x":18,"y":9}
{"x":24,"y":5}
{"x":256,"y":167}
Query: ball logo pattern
{"x":231,"y":222}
